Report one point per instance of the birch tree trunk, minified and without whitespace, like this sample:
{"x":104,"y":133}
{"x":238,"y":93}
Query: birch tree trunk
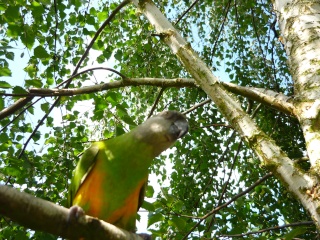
{"x":304,"y":68}
{"x":299,"y":24}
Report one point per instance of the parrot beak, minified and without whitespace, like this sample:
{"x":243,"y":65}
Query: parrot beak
{"x":178,"y":129}
{"x":183,"y":128}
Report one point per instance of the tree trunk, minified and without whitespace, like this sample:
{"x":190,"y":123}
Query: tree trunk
{"x":299,"y":22}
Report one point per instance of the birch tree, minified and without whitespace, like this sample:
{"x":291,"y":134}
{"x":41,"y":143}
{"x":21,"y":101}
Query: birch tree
{"x":245,"y":74}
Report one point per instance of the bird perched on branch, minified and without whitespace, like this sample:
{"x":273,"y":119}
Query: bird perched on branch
{"x":110,"y":178}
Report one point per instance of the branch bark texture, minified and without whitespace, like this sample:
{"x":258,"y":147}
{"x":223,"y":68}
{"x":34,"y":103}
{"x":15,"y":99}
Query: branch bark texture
{"x":38,"y":214}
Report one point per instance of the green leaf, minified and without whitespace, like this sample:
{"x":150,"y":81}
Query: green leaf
{"x":148,"y":206}
{"x":149,"y":191}
{"x":4,"y":84}
{"x":12,"y":13}
{"x":154,"y":217}
{"x":1,"y":103}
{"x":40,"y":52}
{"x":45,"y":107}
{"x":295,"y":232}
{"x":14,"y":30}
{"x":28,"y":38}
{"x":31,"y":70}
{"x":36,"y":136}
{"x":177,"y":222}
{"x":33,"y":83}
{"x":5,"y":72}
{"x":19,"y":90}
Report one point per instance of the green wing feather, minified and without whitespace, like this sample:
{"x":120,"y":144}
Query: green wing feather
{"x":84,"y":166}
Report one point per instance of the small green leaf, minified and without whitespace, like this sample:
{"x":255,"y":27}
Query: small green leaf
{"x":45,"y":107}
{"x":33,"y":83}
{"x":4,"y":84}
{"x":154,"y":217}
{"x":19,"y":90}
{"x":40,"y":52}
{"x":177,"y":222}
{"x":149,"y":191}
{"x":36,"y":136}
{"x":1,"y":103}
{"x":148,"y":206}
{"x":5,"y":71}
{"x":295,"y":232}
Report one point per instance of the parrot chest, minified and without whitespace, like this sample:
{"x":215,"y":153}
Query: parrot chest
{"x":111,"y":191}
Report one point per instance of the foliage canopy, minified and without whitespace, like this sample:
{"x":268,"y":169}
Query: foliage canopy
{"x":42,"y":44}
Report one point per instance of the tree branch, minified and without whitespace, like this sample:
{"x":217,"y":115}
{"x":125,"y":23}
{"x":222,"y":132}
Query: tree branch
{"x":178,"y":82}
{"x":14,"y":107}
{"x":271,"y":98}
{"x":42,"y":215}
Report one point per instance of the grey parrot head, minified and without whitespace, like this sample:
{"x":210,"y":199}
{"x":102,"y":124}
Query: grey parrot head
{"x":162,"y":130}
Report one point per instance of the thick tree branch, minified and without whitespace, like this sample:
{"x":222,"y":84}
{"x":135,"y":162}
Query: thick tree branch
{"x":41,"y":215}
{"x":14,"y":107}
{"x":271,"y":98}
{"x":177,"y":82}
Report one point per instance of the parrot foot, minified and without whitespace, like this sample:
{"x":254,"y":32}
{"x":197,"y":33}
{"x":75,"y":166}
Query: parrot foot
{"x":75,"y":212}
{"x":145,"y":236}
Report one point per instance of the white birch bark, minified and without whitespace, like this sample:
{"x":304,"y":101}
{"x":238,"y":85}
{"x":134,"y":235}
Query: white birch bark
{"x":269,"y":153}
{"x":299,"y":23}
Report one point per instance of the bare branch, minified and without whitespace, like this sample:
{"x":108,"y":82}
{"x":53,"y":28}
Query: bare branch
{"x":156,"y":102}
{"x":14,"y":107}
{"x":178,"y":82}
{"x":271,"y":98}
{"x":185,"y":12}
{"x":197,"y":105}
{"x":42,"y":215}
{"x":96,"y":35}
{"x":19,"y":114}
{"x":258,"y":182}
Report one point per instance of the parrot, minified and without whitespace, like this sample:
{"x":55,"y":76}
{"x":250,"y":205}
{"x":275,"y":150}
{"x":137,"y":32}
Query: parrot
{"x":110,"y":178}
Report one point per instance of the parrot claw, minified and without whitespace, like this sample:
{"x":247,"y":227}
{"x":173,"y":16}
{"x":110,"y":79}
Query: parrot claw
{"x":75,"y":212}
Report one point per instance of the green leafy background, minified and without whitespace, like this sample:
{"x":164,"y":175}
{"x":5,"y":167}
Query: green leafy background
{"x":41,"y":43}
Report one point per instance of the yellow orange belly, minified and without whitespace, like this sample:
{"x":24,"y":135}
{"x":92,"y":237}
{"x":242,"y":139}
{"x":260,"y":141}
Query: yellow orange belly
{"x":97,"y":200}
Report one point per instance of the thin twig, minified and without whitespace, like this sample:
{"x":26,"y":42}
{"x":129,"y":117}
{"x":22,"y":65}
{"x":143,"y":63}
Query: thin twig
{"x":215,"y":125}
{"x":156,"y":101}
{"x":270,"y":229}
{"x":185,"y":12}
{"x":265,"y":177}
{"x":221,"y":28}
{"x":14,"y":107}
{"x":90,"y":70}
{"x":227,"y":182}
{"x":196,"y":106}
